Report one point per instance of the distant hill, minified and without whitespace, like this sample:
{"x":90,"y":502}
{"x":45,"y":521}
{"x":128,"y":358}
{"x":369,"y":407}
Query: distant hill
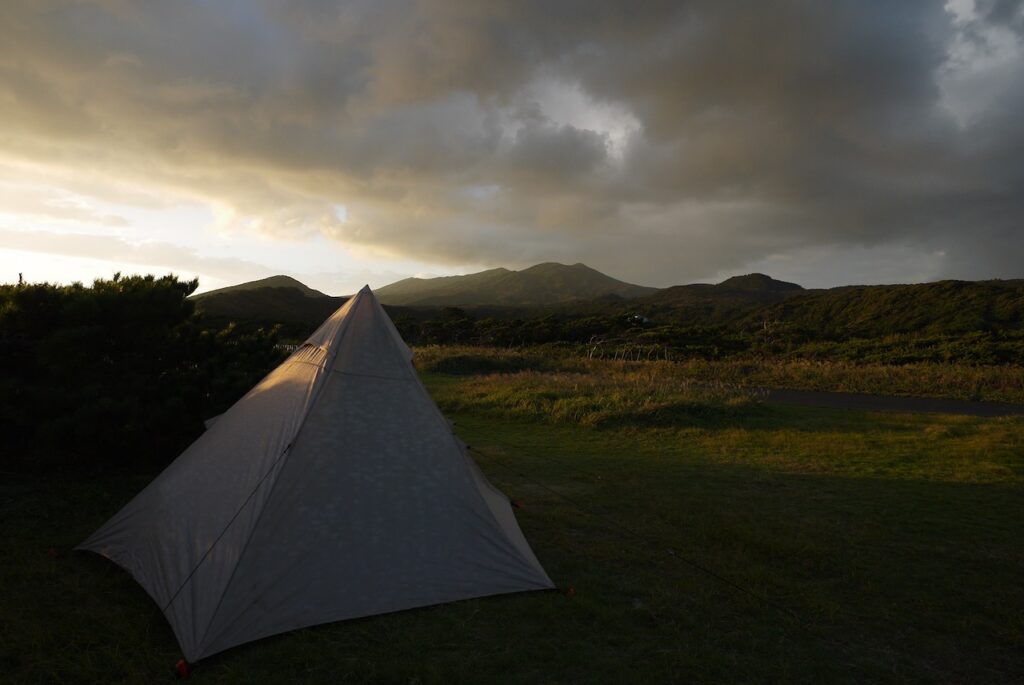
{"x":285,"y":300}
{"x":275,"y":300}
{"x":720,"y":303}
{"x":757,"y":283}
{"x":751,"y":289}
{"x":853,"y":311}
{"x":867,"y":311}
{"x":543,"y":284}
{"x":740,"y":304}
{"x":271,"y":282}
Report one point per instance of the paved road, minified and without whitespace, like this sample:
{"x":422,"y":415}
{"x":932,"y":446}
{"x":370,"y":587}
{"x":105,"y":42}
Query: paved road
{"x":849,"y":400}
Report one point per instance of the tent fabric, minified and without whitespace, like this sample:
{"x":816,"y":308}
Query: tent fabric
{"x":334,"y":489}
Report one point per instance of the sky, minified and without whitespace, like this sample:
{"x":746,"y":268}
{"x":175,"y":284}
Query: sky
{"x":359,"y":142}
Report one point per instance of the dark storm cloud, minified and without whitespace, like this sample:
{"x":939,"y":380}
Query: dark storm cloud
{"x":547,"y":154}
{"x":662,"y":141}
{"x":1009,"y":13}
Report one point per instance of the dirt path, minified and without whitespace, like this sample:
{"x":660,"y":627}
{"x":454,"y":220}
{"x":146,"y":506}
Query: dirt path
{"x":860,"y":402}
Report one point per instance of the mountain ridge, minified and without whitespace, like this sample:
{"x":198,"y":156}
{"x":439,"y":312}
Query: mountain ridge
{"x":278,"y":281}
{"x":546,"y":283}
{"x":740,"y":303}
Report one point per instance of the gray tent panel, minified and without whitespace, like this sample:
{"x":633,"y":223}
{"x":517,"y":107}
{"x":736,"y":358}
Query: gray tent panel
{"x":334,"y":489}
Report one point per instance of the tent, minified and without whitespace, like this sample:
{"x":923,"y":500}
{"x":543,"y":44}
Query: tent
{"x":334,"y":489}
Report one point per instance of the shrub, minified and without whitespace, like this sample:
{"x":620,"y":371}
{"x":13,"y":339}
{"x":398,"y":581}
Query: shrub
{"x":116,"y":373}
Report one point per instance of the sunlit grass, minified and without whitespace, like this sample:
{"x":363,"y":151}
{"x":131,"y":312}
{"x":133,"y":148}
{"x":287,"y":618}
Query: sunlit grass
{"x":994,"y":383}
{"x":599,"y":397}
{"x":956,"y":381}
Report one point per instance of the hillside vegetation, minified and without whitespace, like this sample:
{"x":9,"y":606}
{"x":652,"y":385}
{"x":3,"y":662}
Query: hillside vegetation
{"x":283,"y":305}
{"x":942,"y":308}
{"x":968,"y":322}
{"x":727,"y":303}
{"x":944,"y":322}
{"x":542,"y":284}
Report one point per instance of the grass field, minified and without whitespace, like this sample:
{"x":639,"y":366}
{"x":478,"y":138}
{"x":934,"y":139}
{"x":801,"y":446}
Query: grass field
{"x":871,"y":548}
{"x":1003,"y":383}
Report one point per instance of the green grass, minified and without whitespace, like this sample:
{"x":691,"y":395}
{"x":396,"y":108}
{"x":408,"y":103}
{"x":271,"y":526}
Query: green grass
{"x":639,"y":396}
{"x":894,"y":540}
{"x":923,"y":379}
{"x":1004,"y":383}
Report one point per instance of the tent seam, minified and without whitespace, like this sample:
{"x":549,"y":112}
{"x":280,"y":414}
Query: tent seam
{"x":350,"y":373}
{"x":273,"y":466}
{"x":328,"y":363}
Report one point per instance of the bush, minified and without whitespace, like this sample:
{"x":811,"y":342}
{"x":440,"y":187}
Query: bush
{"x":114,"y":374}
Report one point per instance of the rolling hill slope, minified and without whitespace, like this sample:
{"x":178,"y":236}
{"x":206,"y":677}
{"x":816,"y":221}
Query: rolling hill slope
{"x":868,"y":311}
{"x":275,"y":304}
{"x":714,"y":304}
{"x":740,"y":304}
{"x":270,"y":282}
{"x":543,"y":284}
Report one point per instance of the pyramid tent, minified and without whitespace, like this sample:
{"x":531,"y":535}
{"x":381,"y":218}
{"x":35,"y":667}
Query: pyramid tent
{"x":334,"y":489}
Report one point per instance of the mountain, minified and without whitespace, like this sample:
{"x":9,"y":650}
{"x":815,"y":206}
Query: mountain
{"x":271,"y":282}
{"x":278,"y":299}
{"x":575,"y":292}
{"x":543,"y":284}
{"x":757,"y":283}
{"x":751,"y":289}
{"x":415,"y":290}
{"x":719,"y":303}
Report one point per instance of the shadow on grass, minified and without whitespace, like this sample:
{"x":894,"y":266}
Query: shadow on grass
{"x":892,"y":579}
{"x":751,"y":416}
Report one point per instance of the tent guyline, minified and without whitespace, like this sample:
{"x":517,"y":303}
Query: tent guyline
{"x":328,"y":492}
{"x":632,"y":533}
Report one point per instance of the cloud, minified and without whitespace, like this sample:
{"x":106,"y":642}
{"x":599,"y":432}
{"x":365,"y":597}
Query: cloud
{"x":119,"y":251}
{"x":660,"y":141}
{"x":21,"y":199}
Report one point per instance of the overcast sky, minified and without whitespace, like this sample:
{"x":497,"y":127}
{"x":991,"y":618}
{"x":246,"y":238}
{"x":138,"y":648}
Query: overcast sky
{"x":660,"y":142}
